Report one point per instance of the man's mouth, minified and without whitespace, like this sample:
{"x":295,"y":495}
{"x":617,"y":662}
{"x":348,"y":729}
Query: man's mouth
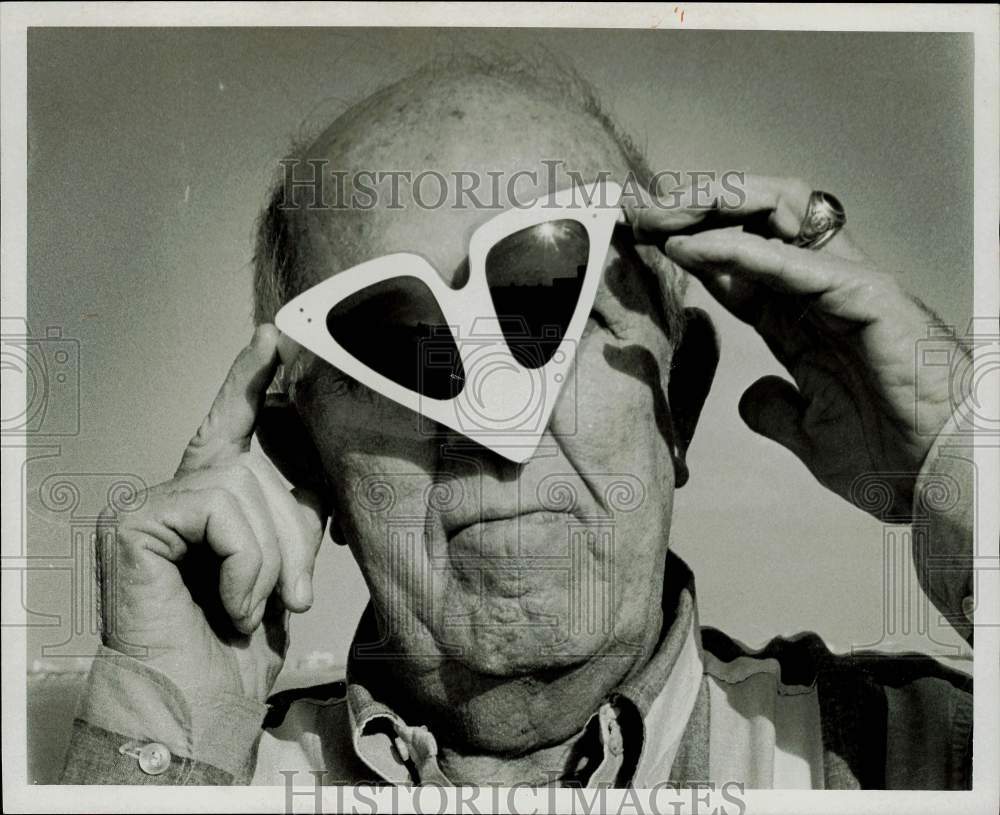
{"x":532,"y":516}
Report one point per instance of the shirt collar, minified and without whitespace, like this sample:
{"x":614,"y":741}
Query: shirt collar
{"x":401,"y":753}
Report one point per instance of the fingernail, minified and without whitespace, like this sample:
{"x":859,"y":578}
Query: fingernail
{"x":672,"y":244}
{"x":303,"y":590}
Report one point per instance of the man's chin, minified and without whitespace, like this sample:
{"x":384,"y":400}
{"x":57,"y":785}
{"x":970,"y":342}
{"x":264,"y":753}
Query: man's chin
{"x":508,"y":655}
{"x":520,"y":598}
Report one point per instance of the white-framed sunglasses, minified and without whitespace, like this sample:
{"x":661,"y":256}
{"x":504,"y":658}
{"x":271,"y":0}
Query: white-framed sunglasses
{"x":488,"y":359}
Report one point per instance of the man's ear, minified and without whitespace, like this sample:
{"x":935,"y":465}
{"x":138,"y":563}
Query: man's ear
{"x":286,"y":442}
{"x":691,"y":373}
{"x":283,"y":435}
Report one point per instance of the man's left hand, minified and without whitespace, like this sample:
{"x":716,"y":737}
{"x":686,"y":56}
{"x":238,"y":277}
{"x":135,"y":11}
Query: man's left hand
{"x":844,"y":329}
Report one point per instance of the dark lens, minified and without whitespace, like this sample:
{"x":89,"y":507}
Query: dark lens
{"x":397,"y":329}
{"x":535,"y":277}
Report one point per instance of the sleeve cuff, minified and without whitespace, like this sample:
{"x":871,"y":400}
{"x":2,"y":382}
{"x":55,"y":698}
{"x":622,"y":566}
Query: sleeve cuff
{"x":98,"y":756}
{"x":124,"y":696}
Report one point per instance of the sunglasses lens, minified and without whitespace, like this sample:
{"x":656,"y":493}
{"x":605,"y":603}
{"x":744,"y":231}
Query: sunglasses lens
{"x":535,"y":277}
{"x":397,"y":329}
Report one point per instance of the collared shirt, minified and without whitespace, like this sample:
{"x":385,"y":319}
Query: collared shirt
{"x":702,"y":708}
{"x":657,"y":698}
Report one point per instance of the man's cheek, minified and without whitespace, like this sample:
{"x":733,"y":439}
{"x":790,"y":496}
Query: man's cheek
{"x":380,"y":506}
{"x":363,"y":424}
{"x":611,"y":408}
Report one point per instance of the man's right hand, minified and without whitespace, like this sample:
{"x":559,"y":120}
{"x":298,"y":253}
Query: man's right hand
{"x":198,"y":580}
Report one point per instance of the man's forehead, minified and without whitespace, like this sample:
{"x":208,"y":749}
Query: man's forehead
{"x":471,"y":144}
{"x":464,"y":116}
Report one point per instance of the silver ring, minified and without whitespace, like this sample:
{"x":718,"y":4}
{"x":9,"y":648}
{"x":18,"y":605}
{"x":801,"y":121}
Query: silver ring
{"x":824,"y":218}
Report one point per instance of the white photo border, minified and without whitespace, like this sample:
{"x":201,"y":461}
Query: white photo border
{"x":979,"y":20}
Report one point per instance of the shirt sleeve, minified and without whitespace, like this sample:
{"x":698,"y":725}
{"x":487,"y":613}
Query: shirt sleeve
{"x":135,"y":726}
{"x":944,"y":520}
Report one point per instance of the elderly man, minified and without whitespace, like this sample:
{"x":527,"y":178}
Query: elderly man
{"x":513,"y":637}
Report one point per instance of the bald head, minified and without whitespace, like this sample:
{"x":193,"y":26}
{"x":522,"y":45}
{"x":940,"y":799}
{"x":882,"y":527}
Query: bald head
{"x":419,"y":164}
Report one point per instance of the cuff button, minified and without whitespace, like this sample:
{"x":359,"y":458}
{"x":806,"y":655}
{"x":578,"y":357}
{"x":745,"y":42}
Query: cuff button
{"x":154,"y":759}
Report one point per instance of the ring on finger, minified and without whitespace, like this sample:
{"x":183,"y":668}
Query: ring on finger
{"x":824,"y":218}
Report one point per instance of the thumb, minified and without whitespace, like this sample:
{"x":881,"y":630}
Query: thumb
{"x":227,"y":429}
{"x":773,"y":407}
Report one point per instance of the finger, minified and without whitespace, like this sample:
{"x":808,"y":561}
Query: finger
{"x":766,"y":205}
{"x":243,"y":485}
{"x":240,"y":482}
{"x":839,"y":287}
{"x":732,"y":198}
{"x":300,"y":524}
{"x":774,"y":408}
{"x":783,"y":267}
{"x":227,"y":429}
{"x":216,"y":518}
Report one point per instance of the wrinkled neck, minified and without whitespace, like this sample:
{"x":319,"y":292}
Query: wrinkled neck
{"x":496,"y":729}
{"x":546,"y":765}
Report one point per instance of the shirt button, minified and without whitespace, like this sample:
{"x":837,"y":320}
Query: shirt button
{"x":154,"y":759}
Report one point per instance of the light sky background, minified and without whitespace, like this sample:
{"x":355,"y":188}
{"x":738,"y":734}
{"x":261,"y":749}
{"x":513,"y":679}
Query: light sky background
{"x":150,"y":151}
